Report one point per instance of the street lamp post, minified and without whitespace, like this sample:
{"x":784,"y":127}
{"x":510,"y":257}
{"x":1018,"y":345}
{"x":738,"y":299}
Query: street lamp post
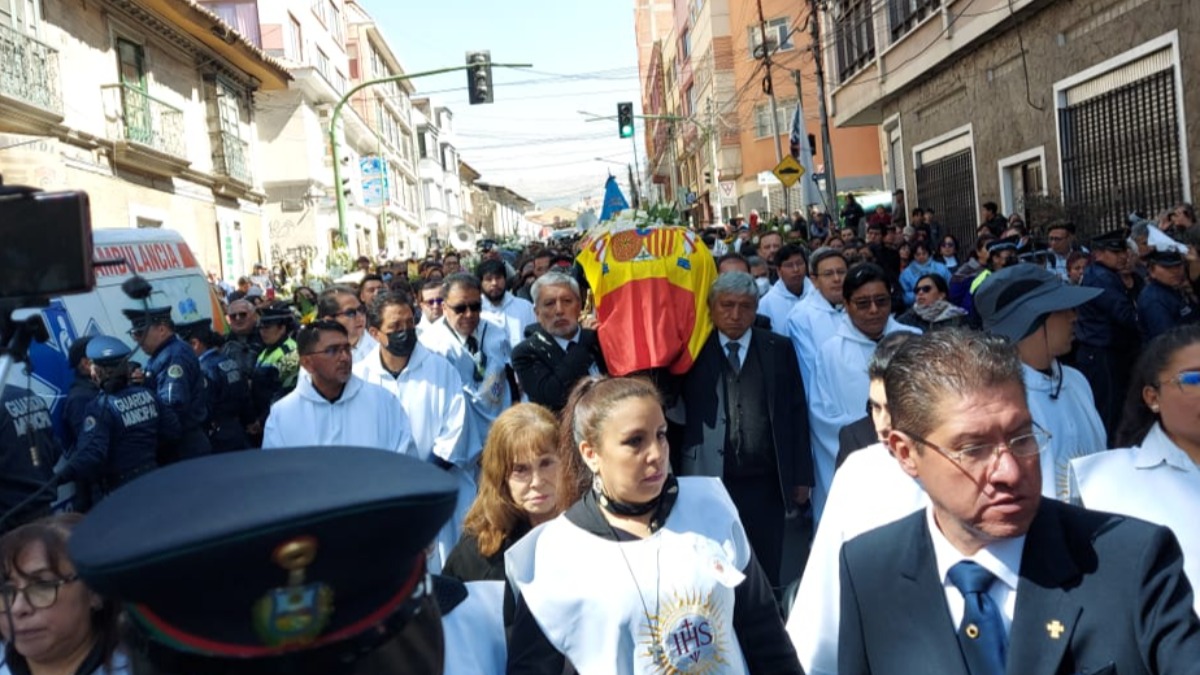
{"x":337,"y":113}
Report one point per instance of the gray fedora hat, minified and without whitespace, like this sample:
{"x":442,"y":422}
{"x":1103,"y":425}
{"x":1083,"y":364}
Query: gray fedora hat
{"x":1012,"y":301}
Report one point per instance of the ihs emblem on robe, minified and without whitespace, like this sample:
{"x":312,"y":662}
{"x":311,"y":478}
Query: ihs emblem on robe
{"x":296,"y":614}
{"x":686,"y":637}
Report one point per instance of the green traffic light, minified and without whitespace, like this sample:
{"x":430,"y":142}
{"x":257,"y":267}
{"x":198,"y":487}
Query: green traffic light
{"x":627,"y":131}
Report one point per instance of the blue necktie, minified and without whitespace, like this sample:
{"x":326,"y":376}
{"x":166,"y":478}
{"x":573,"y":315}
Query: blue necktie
{"x":981,"y":635}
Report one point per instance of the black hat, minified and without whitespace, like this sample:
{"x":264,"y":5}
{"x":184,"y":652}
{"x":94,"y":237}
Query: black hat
{"x":310,"y":553}
{"x":276,"y":312}
{"x":106,"y":350}
{"x":1005,"y":244}
{"x":78,"y":351}
{"x":1113,"y":240}
{"x":1167,"y":258}
{"x":140,"y":319}
{"x":192,"y":328}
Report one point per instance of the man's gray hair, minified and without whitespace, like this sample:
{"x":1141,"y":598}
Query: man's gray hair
{"x":553,"y":279}
{"x":929,"y":369}
{"x":1140,"y":229}
{"x":735,"y":283}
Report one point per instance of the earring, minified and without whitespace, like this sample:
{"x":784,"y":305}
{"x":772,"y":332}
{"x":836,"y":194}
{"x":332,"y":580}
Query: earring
{"x":1154,"y":408}
{"x":597,"y":484}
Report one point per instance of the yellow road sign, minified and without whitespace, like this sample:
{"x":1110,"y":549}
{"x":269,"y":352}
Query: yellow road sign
{"x":788,"y":171}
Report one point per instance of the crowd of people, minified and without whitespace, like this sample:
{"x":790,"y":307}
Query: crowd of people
{"x":879,"y":427}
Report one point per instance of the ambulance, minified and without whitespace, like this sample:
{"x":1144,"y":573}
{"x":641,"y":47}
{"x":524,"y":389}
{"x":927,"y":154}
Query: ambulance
{"x":161,"y":257}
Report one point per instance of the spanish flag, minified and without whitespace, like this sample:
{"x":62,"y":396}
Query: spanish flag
{"x":650,"y":283}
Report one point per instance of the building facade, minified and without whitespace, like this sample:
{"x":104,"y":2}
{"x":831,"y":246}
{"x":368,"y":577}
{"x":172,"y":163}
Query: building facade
{"x":153,"y":118}
{"x":1081,"y":104}
{"x":438,"y":171}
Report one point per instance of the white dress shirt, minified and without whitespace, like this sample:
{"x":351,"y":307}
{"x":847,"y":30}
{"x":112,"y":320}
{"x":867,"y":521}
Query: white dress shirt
{"x":743,"y":342}
{"x":1002,"y":558}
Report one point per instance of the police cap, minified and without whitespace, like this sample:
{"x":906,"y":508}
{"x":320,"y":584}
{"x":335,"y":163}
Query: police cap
{"x":106,"y":350}
{"x":1007,"y":243}
{"x":141,"y":319}
{"x":1164,"y":258}
{"x":267,"y":562}
{"x":192,"y":329}
{"x":276,"y":312}
{"x":1112,"y":240}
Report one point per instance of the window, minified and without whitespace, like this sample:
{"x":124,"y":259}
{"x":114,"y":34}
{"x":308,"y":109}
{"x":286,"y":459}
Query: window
{"x":20,"y":15}
{"x":241,"y":14}
{"x":779,"y":37}
{"x":854,"y":34}
{"x":904,"y":15}
{"x":1120,"y":137}
{"x":229,"y":110}
{"x":323,"y":65}
{"x":762,"y":118}
{"x":685,"y":44}
{"x":423,"y":150}
{"x":945,"y":169}
{"x":334,"y":22}
{"x":295,"y":50}
{"x":339,"y":81}
{"x":689,"y":101}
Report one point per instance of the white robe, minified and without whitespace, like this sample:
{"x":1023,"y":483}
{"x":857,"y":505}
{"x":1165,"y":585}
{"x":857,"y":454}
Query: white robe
{"x":486,"y":398}
{"x":869,"y":490}
{"x":839,"y":396}
{"x":810,"y":323}
{"x":512,"y":315}
{"x":366,"y":344}
{"x":778,"y":303}
{"x":1072,"y":420}
{"x":473,"y":632}
{"x":365,"y":415}
{"x":1156,"y":481}
{"x":431,"y":393}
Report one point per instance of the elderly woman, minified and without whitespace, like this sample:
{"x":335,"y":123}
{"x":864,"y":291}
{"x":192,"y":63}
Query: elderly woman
{"x":646,"y":573}
{"x":922,"y":264}
{"x":53,"y":624}
{"x":932,"y":308}
{"x":526,"y":480}
{"x":1155,"y":475}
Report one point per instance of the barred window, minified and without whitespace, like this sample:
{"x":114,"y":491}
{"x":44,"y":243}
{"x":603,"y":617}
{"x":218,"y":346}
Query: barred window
{"x":904,"y":15}
{"x":854,"y":34}
{"x":762,"y":118}
{"x":1119,"y":140}
{"x":946,"y":183}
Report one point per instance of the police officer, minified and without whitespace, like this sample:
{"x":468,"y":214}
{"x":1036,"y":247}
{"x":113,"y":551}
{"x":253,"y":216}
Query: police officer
{"x":1106,"y":331}
{"x":228,"y":391}
{"x":312,"y":563}
{"x":83,"y":390}
{"x":122,"y":430}
{"x":28,"y":451}
{"x":278,"y":365}
{"x":173,"y":373}
{"x":1163,"y":304}
{"x":243,"y":343}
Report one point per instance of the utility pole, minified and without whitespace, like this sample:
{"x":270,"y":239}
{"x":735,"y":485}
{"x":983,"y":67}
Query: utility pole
{"x":769,"y":89}
{"x":827,"y":146}
{"x":718,"y":214}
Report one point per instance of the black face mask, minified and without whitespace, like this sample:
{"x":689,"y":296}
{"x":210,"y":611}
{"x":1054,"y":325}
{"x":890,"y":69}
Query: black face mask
{"x":402,"y":342}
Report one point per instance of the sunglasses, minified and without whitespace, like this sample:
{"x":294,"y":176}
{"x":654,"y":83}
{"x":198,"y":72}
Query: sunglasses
{"x":864,"y":304}
{"x":351,"y":313}
{"x":434,"y":302}
{"x":332,"y":352}
{"x":921,"y":290}
{"x":238,"y":316}
{"x":475,"y":307}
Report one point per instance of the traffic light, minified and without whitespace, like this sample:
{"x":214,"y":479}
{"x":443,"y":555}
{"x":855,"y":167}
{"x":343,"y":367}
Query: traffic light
{"x":479,"y":77}
{"x":625,"y":119}
{"x":708,"y":177}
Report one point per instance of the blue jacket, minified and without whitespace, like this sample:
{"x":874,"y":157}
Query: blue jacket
{"x":1108,"y":321}
{"x":83,"y":390}
{"x":120,"y":435}
{"x":1161,"y":308}
{"x":174,"y":374}
{"x":913,"y":273}
{"x":228,"y":390}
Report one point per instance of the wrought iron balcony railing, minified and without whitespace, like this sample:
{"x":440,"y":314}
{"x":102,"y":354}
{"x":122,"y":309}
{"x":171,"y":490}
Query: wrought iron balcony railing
{"x":29,"y":71}
{"x":232,"y":158}
{"x":145,"y":120}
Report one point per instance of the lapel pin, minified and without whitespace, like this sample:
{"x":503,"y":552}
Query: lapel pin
{"x":1055,"y":629}
{"x":972,"y":631}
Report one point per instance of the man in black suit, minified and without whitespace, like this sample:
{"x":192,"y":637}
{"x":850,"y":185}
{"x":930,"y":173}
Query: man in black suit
{"x":991,"y":578}
{"x":746,"y":420}
{"x":558,"y":352}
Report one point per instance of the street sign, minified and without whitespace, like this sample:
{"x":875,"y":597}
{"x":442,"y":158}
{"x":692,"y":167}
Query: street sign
{"x":767,"y":179}
{"x":788,"y":171}
{"x":374,"y":181}
{"x":727,"y":190}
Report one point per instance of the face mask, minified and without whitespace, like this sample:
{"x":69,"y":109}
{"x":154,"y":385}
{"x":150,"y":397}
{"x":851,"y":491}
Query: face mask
{"x":402,"y":342}
{"x":764,"y":285}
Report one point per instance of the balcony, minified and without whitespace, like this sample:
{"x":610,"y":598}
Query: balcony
{"x":231,"y":157}
{"x":29,"y":85}
{"x":149,"y":133}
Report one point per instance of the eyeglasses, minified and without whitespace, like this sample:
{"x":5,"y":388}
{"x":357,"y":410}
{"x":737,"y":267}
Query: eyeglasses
{"x":522,"y":474}
{"x":922,"y":290}
{"x":475,"y":307}
{"x":434,"y":302}
{"x":351,"y":313}
{"x":831,"y":274}
{"x":333,"y":351}
{"x":38,"y":594}
{"x":238,"y":316}
{"x":976,"y":457}
{"x":1188,"y":381}
{"x":864,"y":304}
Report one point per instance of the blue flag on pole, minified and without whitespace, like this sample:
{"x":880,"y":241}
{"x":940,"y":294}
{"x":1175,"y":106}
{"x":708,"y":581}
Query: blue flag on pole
{"x":614,"y":201}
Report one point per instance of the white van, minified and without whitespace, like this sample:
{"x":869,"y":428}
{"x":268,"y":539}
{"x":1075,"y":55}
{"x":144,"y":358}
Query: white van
{"x":163,"y":258}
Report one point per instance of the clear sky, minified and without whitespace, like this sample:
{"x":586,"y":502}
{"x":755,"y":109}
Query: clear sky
{"x":532,"y":139}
